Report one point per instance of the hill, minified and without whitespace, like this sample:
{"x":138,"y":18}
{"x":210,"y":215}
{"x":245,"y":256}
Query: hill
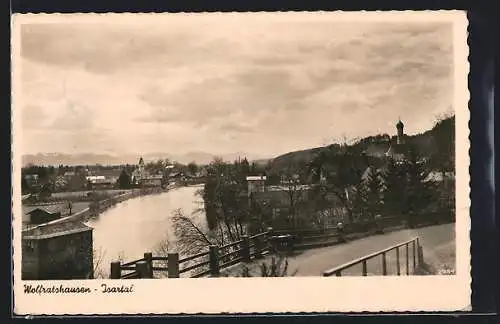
{"x":440,"y":140}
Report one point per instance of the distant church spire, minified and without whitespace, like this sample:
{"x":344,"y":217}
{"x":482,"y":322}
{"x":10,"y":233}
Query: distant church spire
{"x":400,"y":131}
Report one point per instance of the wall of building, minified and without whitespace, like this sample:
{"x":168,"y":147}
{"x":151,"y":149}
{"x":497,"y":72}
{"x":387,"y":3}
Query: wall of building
{"x":66,"y":257}
{"x":29,"y":260}
{"x":256,"y":186}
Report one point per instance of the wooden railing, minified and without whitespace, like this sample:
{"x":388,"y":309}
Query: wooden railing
{"x":207,"y":263}
{"x":210,"y":262}
{"x":417,"y":257}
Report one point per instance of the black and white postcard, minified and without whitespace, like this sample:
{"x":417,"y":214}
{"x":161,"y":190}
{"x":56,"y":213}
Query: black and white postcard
{"x":240,"y":162}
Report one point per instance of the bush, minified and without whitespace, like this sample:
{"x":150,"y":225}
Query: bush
{"x":278,"y":267}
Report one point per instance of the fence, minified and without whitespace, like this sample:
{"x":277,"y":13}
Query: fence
{"x":418,"y":256}
{"x":317,"y":237}
{"x":208,"y":262}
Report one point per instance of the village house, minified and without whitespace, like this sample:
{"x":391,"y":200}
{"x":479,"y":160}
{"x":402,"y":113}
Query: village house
{"x":57,"y":250}
{"x":276,"y":201}
{"x":60,"y":183}
{"x":33,"y":181}
{"x":151,"y":181}
{"x":100,"y":183}
{"x":256,"y":183}
{"x":42,"y":214}
{"x":75,"y":180}
{"x":141,"y":177}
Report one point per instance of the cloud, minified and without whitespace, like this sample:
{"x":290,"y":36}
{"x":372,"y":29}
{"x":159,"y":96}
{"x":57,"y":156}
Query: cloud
{"x":231,"y":83}
{"x":32,"y":117}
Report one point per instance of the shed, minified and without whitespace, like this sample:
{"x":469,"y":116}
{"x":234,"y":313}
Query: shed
{"x":44,"y":214}
{"x":58,"y":250}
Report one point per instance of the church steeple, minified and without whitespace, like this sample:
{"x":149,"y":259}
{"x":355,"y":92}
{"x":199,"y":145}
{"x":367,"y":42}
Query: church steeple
{"x":400,"y":128}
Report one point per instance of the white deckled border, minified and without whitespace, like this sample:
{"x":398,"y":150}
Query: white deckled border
{"x":233,"y":295}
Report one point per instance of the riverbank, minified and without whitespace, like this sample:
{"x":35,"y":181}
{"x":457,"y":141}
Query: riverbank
{"x":87,"y":213}
{"x":142,"y":225}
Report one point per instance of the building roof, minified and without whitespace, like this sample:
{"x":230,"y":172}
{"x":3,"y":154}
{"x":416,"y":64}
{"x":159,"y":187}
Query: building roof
{"x":108,"y":173}
{"x":256,"y":178}
{"x":50,"y":230}
{"x":397,"y":152}
{"x":437,"y":176}
{"x":49,"y":209}
{"x":153,"y":177}
{"x":95,"y":177}
{"x":102,"y":181}
{"x":377,"y":149}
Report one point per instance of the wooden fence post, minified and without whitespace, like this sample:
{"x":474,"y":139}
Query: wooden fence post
{"x":398,"y":267}
{"x":245,"y":248}
{"x":414,"y":256}
{"x":142,"y":269}
{"x":407,"y":260}
{"x":173,"y":265}
{"x":213,"y":253}
{"x":148,"y":257}
{"x":270,"y":243}
{"x":257,"y":247}
{"x":116,"y":270}
{"x":420,"y":256}
{"x":384,"y":264}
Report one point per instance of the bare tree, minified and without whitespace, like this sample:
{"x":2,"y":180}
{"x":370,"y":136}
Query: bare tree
{"x":190,"y":236}
{"x":342,"y":170}
{"x":98,"y":259}
{"x":162,"y":249}
{"x":290,"y":179}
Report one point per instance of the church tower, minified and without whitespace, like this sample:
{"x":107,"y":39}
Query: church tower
{"x":141,"y":167}
{"x":400,"y":127}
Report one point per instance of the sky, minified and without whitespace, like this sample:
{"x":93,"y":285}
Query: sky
{"x":224,"y":85}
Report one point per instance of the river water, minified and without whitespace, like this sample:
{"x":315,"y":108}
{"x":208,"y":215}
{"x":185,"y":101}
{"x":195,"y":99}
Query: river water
{"x":139,"y":225}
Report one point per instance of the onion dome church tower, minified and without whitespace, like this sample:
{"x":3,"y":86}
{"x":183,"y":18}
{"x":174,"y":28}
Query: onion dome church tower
{"x":398,"y":150}
{"x":400,"y":127}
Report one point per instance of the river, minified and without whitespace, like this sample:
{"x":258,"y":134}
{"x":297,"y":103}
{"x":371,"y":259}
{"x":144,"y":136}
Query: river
{"x":139,"y":225}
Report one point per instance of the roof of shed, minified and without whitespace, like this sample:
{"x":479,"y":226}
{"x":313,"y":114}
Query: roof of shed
{"x":55,"y":229}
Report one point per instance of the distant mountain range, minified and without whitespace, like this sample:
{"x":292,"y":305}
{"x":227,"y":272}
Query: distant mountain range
{"x":109,"y":159}
{"x":426,"y":142}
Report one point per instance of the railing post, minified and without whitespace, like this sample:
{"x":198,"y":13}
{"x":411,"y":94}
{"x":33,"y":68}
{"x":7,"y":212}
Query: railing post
{"x":398,"y":268}
{"x":407,"y":260}
{"x":148,"y":257}
{"x":384,"y":265}
{"x":420,"y":256}
{"x":245,"y":248}
{"x":257,"y":247}
{"x":214,"y":260}
{"x":270,"y":243}
{"x":116,"y":270}
{"x":364,"y":268}
{"x":142,"y":269}
{"x":173,"y":265}
{"x":414,"y":256}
